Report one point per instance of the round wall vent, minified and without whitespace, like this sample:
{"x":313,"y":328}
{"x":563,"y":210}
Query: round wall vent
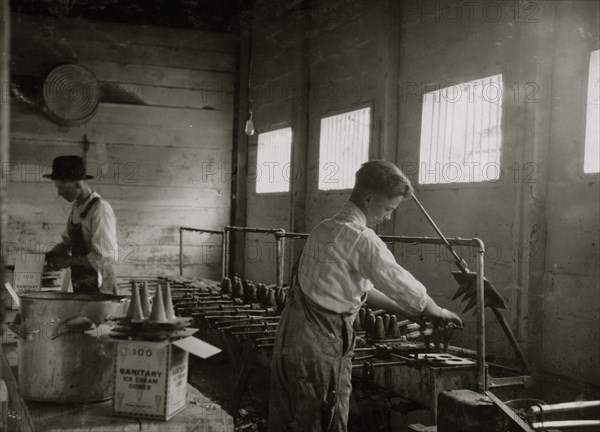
{"x":71,"y":95}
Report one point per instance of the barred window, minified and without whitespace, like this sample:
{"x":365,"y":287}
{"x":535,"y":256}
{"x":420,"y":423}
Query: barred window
{"x":343,"y":148}
{"x":461,"y":134}
{"x":591,"y":159}
{"x":273,"y":161}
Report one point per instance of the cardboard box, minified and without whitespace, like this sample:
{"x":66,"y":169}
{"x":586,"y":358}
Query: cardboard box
{"x":150,"y":378}
{"x":25,"y":276}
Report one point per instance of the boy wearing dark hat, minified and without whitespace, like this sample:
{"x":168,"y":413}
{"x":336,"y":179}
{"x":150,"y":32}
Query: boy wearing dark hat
{"x":89,"y":243}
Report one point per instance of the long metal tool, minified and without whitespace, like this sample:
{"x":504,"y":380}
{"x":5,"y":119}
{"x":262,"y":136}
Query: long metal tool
{"x":467,"y":289}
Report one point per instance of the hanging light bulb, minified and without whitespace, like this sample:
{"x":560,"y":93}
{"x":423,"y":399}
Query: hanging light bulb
{"x":249,"y":129}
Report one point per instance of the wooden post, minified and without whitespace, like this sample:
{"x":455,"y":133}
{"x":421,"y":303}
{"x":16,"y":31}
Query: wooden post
{"x":300,"y":126}
{"x":4,"y":160}
{"x":237,"y":241}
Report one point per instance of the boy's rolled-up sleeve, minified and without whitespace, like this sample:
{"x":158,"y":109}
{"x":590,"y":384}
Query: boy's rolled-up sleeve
{"x":378,"y":264}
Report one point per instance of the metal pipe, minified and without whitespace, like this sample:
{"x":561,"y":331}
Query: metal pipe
{"x":224,"y":252}
{"x":226,"y":257}
{"x":511,"y":338}
{"x":481,"y":371}
{"x":201,"y":230}
{"x":228,"y":314}
{"x":247,"y":320}
{"x":367,"y":357}
{"x":180,"y":251}
{"x":257,"y":332}
{"x":435,"y":227}
{"x":279,"y":259}
{"x":265,"y":339}
{"x":365,"y":349}
{"x":454,"y":241}
{"x":385,"y":364}
{"x":212,"y":302}
{"x":563,"y":407}
{"x":265,"y":345}
{"x":264,"y":325}
{"x":5,"y":22}
{"x":565,"y":424}
{"x":254,"y":230}
{"x":291,"y":235}
{"x":221,"y":307}
{"x":220,"y":318}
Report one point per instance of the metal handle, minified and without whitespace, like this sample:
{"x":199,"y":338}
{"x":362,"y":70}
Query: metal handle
{"x":460,"y":263}
{"x":78,"y":324}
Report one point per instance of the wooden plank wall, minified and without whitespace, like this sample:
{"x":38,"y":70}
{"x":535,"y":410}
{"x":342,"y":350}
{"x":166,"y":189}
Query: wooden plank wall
{"x":160,"y":142}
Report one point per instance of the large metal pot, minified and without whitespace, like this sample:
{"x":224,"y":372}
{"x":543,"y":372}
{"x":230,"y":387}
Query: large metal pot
{"x":58,"y":360}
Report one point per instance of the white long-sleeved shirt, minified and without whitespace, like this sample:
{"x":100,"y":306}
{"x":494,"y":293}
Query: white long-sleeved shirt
{"x":342,"y":260}
{"x":99,"y":230}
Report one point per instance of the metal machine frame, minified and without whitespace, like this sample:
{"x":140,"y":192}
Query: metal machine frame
{"x":484,"y":380}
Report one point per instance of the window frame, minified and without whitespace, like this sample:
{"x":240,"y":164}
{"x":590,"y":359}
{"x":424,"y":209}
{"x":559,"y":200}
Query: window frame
{"x":585,"y":91}
{"x":506,"y":102}
{"x":273,"y":128}
{"x":336,"y":112}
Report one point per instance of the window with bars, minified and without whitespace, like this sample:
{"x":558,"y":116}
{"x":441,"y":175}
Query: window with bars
{"x":461,"y":134}
{"x":591,"y":158}
{"x":273,"y":161}
{"x":343,"y":148}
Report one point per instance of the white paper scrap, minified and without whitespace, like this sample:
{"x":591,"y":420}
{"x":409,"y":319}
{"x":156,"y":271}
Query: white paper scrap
{"x":197,"y":347}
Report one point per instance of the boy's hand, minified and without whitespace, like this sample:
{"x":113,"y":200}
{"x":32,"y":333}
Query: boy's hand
{"x":441,"y":316}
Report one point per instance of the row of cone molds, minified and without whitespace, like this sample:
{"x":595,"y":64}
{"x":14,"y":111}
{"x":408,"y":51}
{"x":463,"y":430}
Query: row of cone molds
{"x":250,"y":293}
{"x":280,"y":297}
{"x":162,"y":306}
{"x":238,"y":288}
{"x":440,"y":336}
{"x":380,"y":327}
{"x":226,"y":286}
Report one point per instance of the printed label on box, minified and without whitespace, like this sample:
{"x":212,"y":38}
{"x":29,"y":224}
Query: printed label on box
{"x":150,"y":379}
{"x":28,"y":273}
{"x":27,"y":282}
{"x":178,"y":380}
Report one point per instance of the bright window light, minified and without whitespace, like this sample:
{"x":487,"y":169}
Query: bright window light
{"x":273,"y":161}
{"x":461,"y":133}
{"x":343,"y":148}
{"x":591,"y":160}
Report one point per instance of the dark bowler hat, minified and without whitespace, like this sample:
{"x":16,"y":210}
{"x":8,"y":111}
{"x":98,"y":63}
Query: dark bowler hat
{"x":68,"y":168}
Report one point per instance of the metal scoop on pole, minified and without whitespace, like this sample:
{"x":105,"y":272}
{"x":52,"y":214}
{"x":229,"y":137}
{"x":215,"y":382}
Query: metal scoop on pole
{"x":467,"y":289}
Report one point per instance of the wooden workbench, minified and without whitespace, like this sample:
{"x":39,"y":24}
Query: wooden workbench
{"x":200,"y":413}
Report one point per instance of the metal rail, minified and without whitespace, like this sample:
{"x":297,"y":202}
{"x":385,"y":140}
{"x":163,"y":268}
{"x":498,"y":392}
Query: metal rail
{"x":290,"y":235}
{"x":564,"y":407}
{"x":281,"y":235}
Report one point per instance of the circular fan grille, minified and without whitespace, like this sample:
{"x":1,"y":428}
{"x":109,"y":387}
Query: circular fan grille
{"x":71,"y":94}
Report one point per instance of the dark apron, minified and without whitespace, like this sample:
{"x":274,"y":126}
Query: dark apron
{"x":311,"y":368}
{"x":84,"y":280}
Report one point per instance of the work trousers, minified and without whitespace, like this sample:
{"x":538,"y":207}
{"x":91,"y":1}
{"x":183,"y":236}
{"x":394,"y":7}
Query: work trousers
{"x":311,"y":368}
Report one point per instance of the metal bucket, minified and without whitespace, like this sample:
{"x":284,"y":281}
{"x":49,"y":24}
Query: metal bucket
{"x":58,"y":361}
